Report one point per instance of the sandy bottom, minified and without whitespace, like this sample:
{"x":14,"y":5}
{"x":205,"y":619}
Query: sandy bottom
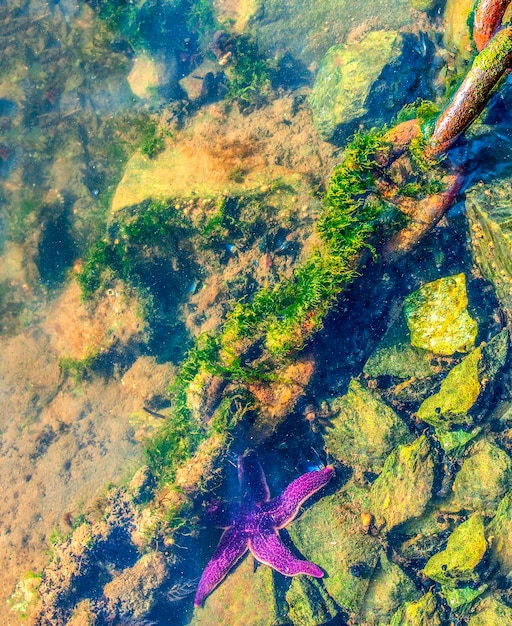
{"x":61,"y":443}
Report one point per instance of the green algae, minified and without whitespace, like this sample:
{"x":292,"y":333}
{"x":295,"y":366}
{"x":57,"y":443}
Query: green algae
{"x":438,"y":319}
{"x":404,"y":488}
{"x":464,"y":551}
{"x":422,"y":612}
{"x":422,"y":5}
{"x":364,"y":429}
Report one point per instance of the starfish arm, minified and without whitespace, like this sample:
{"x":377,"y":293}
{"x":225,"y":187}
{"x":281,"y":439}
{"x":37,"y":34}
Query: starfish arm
{"x":268,"y":549}
{"x":253,"y":483}
{"x":285,"y":507}
{"x":232,"y":546}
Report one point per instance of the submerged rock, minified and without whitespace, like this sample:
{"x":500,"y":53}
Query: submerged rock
{"x":489,"y":210}
{"x":499,"y":533}
{"x":332,"y":535}
{"x":395,"y":356}
{"x":483,"y":479}
{"x":422,"y":612}
{"x":491,"y":612}
{"x":133,"y":593}
{"x":364,"y":429}
{"x":465,"y":549}
{"x":308,"y":602}
{"x":452,"y":405}
{"x":438,"y":318}
{"x":404,"y":488}
{"x":247,"y":596}
{"x":456,"y":35}
{"x":389,"y":588}
{"x":458,"y":393}
{"x":345,"y":77}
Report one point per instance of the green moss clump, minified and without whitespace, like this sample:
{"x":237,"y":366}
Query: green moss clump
{"x":250,"y":77}
{"x":152,"y":142}
{"x":125,"y":253}
{"x":287,"y":315}
{"x":77,"y":369}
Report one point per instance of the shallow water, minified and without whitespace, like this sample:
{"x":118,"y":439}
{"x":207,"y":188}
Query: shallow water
{"x":108,"y":111}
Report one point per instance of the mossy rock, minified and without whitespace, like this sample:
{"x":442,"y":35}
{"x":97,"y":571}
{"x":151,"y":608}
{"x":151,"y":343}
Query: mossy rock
{"x":395,"y":356}
{"x":499,"y":533}
{"x":345,"y":77}
{"x":483,"y":479}
{"x":422,"y":612}
{"x":458,"y":393}
{"x":404,"y":488}
{"x":461,"y":389}
{"x":247,"y":596}
{"x":489,"y":210}
{"x":389,"y":588}
{"x":308,"y":602}
{"x":364,"y":429}
{"x":331,"y":535}
{"x":491,"y":612}
{"x":464,"y":551}
{"x":438,"y":318}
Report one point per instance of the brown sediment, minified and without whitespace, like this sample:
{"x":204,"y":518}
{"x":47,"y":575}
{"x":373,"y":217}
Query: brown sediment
{"x":472,"y":96}
{"x":427,"y":214}
{"x":488,"y":16}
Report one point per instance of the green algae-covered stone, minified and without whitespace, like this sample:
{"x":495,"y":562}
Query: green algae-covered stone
{"x":308,"y":602}
{"x":246,"y":596}
{"x":364,"y":429}
{"x":331,"y":535}
{"x":465,"y":549}
{"x":499,"y":533}
{"x":422,"y":612}
{"x":389,"y":588}
{"x":346,"y":76}
{"x":491,"y":612}
{"x":395,"y":356}
{"x":483,"y":479}
{"x":458,"y":393}
{"x":438,"y":318}
{"x":404,"y":488}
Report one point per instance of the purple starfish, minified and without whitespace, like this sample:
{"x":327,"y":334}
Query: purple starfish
{"x":255,"y":524}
